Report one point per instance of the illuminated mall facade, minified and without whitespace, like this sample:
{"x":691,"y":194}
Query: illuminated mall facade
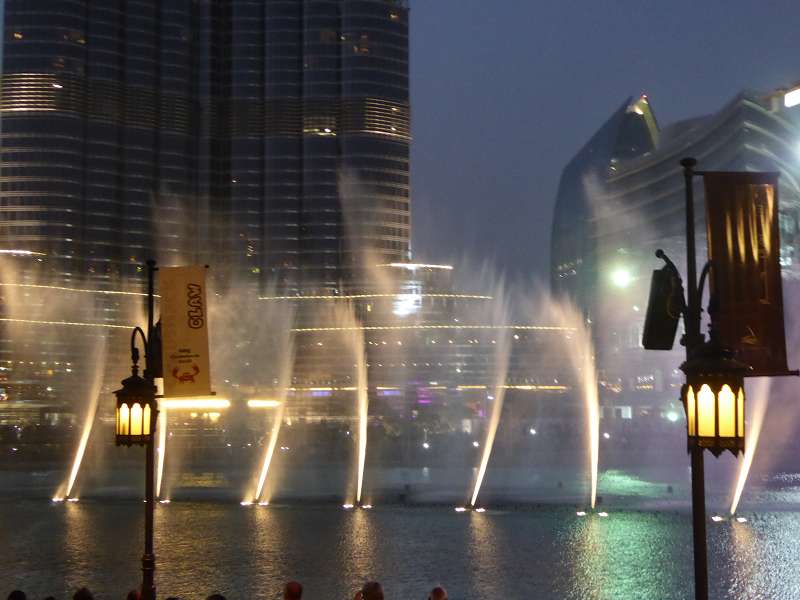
{"x":622,"y":197}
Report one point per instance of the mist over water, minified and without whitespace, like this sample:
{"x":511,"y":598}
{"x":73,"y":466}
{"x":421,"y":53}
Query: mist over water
{"x":582,"y":362}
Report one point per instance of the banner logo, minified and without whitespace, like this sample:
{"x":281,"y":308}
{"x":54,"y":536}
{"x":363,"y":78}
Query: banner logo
{"x":184,"y":325}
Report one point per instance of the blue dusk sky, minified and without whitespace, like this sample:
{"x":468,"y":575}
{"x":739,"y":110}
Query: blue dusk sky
{"x":505,"y":92}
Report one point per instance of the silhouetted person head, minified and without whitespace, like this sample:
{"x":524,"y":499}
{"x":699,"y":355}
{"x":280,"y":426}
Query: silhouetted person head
{"x":293,"y":591}
{"x":372,"y":591}
{"x":17,"y":595}
{"x":438,"y":593}
{"x":133,"y":595}
{"x":83,"y":594}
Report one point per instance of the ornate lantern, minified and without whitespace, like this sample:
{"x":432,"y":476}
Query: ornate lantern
{"x":713,"y":397}
{"x":136,"y":410}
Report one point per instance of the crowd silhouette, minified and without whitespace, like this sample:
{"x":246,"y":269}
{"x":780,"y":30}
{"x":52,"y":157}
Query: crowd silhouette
{"x":293,"y":590}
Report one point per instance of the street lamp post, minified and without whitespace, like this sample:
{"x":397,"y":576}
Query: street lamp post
{"x":746,"y":320}
{"x":136,"y":417}
{"x":693,"y":340}
{"x":713,"y":396}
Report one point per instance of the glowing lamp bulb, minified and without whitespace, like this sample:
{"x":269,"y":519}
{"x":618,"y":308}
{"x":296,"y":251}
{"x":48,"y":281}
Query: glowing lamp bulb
{"x":621,"y":277}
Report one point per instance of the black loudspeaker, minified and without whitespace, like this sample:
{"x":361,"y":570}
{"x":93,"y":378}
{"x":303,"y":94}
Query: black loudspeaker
{"x":663,"y":310}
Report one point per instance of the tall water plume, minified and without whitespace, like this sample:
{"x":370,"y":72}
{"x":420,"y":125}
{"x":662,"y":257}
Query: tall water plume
{"x":161,"y":449}
{"x":500,"y":361}
{"x":252,"y":353}
{"x":347,"y":348}
{"x":281,"y":396}
{"x":757,"y":402}
{"x":61,"y":328}
{"x":353,"y":338}
{"x":564,"y":313}
{"x":362,"y":400}
{"x":92,"y":400}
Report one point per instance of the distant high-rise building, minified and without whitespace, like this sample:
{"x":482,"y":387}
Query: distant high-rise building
{"x":267,"y":138}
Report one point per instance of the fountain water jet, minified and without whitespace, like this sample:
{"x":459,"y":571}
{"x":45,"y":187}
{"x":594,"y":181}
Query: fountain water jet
{"x":502,"y":352}
{"x":565,"y":314}
{"x":362,"y":398}
{"x":592,"y":419}
{"x":354,"y":347}
{"x":252,"y":348}
{"x":66,"y":488}
{"x":273,"y":440}
{"x":759,"y":410}
{"x":161,"y":450}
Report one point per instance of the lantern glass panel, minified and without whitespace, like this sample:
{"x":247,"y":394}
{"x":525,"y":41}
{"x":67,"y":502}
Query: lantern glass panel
{"x":124,"y":420}
{"x":727,"y":412}
{"x":740,"y":411}
{"x":691,"y":412}
{"x":136,"y":419}
{"x":705,"y":412}
{"x":146,"y":424}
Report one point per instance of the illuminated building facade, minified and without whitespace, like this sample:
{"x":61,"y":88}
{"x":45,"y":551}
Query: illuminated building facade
{"x":268,"y":139}
{"x":429,"y":349}
{"x":336,"y":139}
{"x":622,"y":197}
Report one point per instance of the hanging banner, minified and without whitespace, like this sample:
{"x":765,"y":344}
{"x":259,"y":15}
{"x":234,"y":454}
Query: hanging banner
{"x":744,"y":249}
{"x":184,"y":331}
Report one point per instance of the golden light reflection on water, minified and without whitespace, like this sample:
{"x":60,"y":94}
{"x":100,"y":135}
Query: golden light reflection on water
{"x":485,"y":541}
{"x":248,"y":552}
{"x":361,"y":542}
{"x":79,"y":530}
{"x":743,"y":568}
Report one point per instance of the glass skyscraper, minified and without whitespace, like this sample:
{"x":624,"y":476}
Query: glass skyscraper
{"x":267,"y":138}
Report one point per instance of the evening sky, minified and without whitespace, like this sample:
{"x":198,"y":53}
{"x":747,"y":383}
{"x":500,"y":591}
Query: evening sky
{"x":505,"y":92}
